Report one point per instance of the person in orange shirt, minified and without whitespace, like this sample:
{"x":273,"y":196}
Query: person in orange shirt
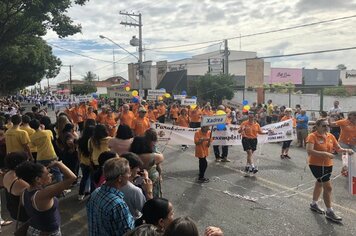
{"x":80,"y":113}
{"x":141,"y":123}
{"x":151,"y":114}
{"x":320,"y":147}
{"x":174,"y":113}
{"x":347,"y":126}
{"x":286,"y":144}
{"x":126,"y":116}
{"x":183,"y":120}
{"x":90,"y":114}
{"x":249,"y":130}
{"x":161,"y":117}
{"x":202,"y":140}
{"x":100,"y":118}
{"x":110,"y":122}
{"x":94,"y":104}
{"x":207,"y":111}
{"x":195,"y":117}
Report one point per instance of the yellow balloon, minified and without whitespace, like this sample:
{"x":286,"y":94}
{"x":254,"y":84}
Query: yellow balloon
{"x":134,"y":93}
{"x":160,"y":98}
{"x":220,"y":112}
{"x":167,"y":95}
{"x":247,"y":107}
{"x":193,"y":106}
{"x":127,"y":89}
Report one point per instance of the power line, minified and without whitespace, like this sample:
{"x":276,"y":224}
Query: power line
{"x":82,"y":55}
{"x":261,"y":33}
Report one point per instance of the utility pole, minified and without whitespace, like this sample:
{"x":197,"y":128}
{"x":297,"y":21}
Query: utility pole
{"x":139,"y":25}
{"x":113,"y":63}
{"x":226,"y":58}
{"x":70,"y":77}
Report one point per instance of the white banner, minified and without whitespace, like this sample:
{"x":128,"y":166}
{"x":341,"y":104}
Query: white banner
{"x":189,"y":101}
{"x":177,"y":135}
{"x":212,"y":120}
{"x":151,"y":97}
{"x":120,"y":94}
{"x":352,"y":174}
{"x":83,"y":98}
{"x":157,"y":92}
{"x":179,"y":97}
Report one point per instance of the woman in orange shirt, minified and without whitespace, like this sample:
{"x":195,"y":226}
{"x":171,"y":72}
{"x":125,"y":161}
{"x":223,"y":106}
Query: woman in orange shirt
{"x":286,"y":144}
{"x":195,"y":117}
{"x":202,"y":141}
{"x":320,"y":147}
{"x":174,"y":113}
{"x":347,"y":126}
{"x":249,"y":130}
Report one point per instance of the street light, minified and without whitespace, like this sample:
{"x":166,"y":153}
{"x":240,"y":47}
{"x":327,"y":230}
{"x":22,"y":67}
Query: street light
{"x":104,"y":37}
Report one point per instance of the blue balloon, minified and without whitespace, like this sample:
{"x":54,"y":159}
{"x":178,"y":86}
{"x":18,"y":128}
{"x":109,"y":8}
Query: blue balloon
{"x":184,"y":92}
{"x":95,"y":95}
{"x":194,"y":97}
{"x":245,"y":102}
{"x":221,"y":127}
{"x":161,"y":89}
{"x":135,"y":100}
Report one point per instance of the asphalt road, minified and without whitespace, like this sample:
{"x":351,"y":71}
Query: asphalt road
{"x":274,"y":202}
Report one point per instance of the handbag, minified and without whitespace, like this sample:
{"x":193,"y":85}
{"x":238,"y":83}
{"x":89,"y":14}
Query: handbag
{"x":22,"y":230}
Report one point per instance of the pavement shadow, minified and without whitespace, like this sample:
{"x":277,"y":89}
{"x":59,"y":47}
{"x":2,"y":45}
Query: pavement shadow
{"x":326,"y":226}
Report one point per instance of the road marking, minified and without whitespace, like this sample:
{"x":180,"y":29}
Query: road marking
{"x":269,"y":184}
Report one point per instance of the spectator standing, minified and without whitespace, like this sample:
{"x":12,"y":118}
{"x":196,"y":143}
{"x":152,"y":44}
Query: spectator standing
{"x":302,"y":128}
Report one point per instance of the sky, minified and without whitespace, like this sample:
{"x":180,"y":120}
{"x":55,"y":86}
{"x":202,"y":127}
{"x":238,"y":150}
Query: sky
{"x":169,"y":24}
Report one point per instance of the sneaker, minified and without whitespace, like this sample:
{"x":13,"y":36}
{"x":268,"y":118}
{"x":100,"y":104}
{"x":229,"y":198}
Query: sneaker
{"x":332,"y":216}
{"x":225,"y":160}
{"x":286,"y":156}
{"x":81,"y":197}
{"x":218,"y":159}
{"x":247,"y":169}
{"x":282,"y":156}
{"x":203,"y":180}
{"x":254,"y":170}
{"x":317,"y":209}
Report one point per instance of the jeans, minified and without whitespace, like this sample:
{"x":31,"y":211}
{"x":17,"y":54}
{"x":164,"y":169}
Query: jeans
{"x":54,"y":170}
{"x":224,"y":149}
{"x":86,"y":177}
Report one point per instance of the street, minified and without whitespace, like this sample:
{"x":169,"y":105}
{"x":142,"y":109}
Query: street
{"x":269,"y":204}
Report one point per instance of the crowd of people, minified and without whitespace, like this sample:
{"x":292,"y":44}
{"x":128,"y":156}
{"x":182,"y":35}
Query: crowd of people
{"x":115,"y":153}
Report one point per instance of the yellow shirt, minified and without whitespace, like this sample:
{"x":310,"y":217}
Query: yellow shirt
{"x":16,"y":139}
{"x":84,"y":159}
{"x":30,"y":131}
{"x":42,"y":139}
{"x":96,"y":151}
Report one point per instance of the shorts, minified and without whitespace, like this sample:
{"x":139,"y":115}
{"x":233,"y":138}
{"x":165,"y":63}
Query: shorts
{"x":286,"y":144}
{"x":249,"y":144}
{"x":321,"y":173}
{"x":302,"y":133}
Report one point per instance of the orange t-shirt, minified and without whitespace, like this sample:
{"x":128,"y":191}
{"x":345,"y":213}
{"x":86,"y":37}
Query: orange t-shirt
{"x":183,"y":121}
{"x":207,"y":113}
{"x":91,"y":115}
{"x":110,"y":123}
{"x":195,"y":115}
{"x":73,"y":115}
{"x":151,"y":115}
{"x":174,"y":112}
{"x":324,"y":144}
{"x":348,"y":131}
{"x":251,"y":130}
{"x":94,"y":104}
{"x":126,"y":118}
{"x":202,"y":150}
{"x":101,"y":117}
{"x":140,"y":125}
{"x":288,"y":118}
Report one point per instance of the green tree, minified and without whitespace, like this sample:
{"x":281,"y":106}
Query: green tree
{"x":341,"y":67}
{"x":90,"y":77}
{"x":25,"y":58}
{"x":82,"y":89}
{"x":215,"y":88}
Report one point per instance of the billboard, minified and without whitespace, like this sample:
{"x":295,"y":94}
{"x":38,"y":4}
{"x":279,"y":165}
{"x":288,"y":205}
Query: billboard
{"x":348,"y":77}
{"x":321,"y":77}
{"x":286,"y":75}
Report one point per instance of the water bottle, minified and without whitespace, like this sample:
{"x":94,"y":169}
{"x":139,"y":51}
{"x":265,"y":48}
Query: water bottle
{"x":345,"y":160}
